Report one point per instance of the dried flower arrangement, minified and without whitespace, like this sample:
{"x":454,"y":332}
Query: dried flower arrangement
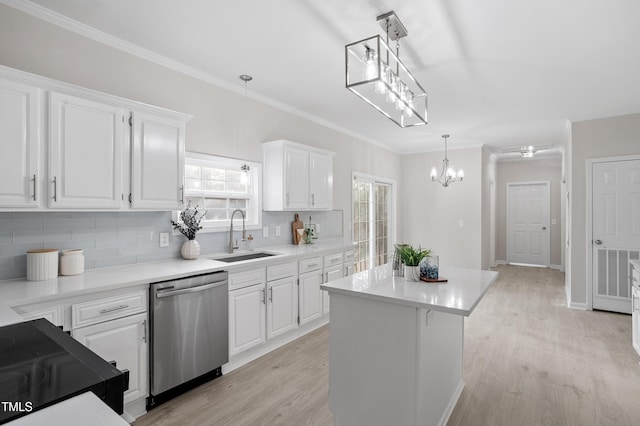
{"x":190,"y":221}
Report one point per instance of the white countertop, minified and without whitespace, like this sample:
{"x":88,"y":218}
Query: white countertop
{"x":80,"y":410}
{"x":460,"y":295}
{"x":21,"y":292}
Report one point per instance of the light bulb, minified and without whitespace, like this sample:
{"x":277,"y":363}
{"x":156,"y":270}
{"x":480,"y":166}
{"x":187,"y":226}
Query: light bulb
{"x":393,"y":86}
{"x":434,"y":174}
{"x":451,"y":174}
{"x":370,"y":68}
{"x":381,"y":87}
{"x":460,"y":174}
{"x":410,"y":104}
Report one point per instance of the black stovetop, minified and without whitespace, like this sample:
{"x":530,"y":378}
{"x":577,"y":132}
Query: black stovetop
{"x":41,"y":365}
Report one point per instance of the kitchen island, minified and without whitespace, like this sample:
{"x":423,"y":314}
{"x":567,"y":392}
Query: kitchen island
{"x":396,"y":347}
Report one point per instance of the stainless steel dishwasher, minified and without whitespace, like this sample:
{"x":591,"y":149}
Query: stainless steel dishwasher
{"x":189,"y":333}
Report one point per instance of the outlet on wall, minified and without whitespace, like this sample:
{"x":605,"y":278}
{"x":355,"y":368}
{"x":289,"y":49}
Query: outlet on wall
{"x":277,"y":231}
{"x":265,"y":232}
{"x":164,"y":239}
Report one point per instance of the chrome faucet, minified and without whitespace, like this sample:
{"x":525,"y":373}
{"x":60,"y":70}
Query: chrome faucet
{"x":244,"y":231}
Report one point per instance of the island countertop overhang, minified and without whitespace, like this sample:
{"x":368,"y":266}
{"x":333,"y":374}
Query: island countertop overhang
{"x":459,"y":295}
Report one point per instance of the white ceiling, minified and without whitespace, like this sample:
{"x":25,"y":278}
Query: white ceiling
{"x":499,"y":73}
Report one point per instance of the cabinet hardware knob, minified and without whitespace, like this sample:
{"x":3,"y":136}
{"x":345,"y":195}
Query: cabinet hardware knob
{"x":597,"y":242}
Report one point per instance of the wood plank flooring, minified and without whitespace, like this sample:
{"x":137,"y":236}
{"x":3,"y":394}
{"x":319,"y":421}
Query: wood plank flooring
{"x":529,"y":360}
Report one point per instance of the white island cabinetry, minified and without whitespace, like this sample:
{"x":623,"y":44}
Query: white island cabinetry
{"x":375,"y":318}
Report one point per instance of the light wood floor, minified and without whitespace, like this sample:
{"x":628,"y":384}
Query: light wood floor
{"x":529,"y":360}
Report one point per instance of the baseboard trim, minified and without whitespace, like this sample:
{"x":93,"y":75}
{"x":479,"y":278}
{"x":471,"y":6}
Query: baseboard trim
{"x":452,"y":404}
{"x":578,"y":306}
{"x":557,"y":267}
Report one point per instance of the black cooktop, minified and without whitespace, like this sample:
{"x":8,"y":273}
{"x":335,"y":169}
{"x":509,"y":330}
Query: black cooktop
{"x":41,"y":365}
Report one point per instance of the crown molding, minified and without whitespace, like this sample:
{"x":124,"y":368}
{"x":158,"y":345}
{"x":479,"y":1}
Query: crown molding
{"x":140,"y":52}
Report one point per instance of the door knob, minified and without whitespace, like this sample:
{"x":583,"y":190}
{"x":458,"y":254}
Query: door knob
{"x":544,"y":228}
{"x":598,"y":242}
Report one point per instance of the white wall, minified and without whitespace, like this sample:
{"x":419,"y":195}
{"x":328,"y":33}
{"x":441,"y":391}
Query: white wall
{"x":530,"y":170}
{"x":431,"y":213}
{"x":224,"y":122}
{"x":607,"y":137}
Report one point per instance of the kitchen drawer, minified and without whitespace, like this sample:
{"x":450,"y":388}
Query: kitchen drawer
{"x":246,"y":278}
{"x":332,"y":260}
{"x":105,"y":309}
{"x":348,"y":256}
{"x":53,"y":314}
{"x":284,"y":270}
{"x":311,"y":264}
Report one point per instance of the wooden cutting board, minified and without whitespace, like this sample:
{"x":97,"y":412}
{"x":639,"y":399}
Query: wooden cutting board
{"x":295,"y":225}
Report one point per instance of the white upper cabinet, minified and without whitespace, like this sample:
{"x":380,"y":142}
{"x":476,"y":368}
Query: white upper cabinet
{"x":85,"y":153}
{"x":157,"y":162}
{"x":297,"y":177}
{"x":321,"y":181}
{"x":19,"y":144}
{"x":67,"y":147}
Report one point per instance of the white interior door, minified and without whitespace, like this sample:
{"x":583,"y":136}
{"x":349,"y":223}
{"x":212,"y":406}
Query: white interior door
{"x":615,"y":207}
{"x":528,"y":240}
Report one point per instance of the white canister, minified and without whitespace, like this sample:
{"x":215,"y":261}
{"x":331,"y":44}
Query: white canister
{"x":72,"y":262}
{"x":42,"y":264}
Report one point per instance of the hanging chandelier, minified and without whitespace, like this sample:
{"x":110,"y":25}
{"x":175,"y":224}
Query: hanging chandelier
{"x":448,"y":175}
{"x":375,"y":73}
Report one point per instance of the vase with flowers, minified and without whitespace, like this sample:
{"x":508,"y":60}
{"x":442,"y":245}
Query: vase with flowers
{"x":189,"y":224}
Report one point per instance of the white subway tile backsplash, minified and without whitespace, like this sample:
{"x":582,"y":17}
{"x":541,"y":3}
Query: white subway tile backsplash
{"x":125,"y":238}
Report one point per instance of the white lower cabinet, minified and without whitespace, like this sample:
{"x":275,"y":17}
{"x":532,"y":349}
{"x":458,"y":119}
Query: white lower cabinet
{"x":247,"y":318}
{"x":124,"y":341}
{"x":330,"y":274}
{"x":310,"y":297}
{"x":282,"y":309}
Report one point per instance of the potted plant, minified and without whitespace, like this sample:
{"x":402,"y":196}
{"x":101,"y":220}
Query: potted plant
{"x":411,"y":257}
{"x":189,"y":225}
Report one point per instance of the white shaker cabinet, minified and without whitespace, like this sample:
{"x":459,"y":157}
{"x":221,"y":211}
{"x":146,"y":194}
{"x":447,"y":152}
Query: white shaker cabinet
{"x":124,"y":341}
{"x":321,"y":181}
{"x":247,"y":316}
{"x":19,"y":144}
{"x":282,"y":307}
{"x":157,"y":161}
{"x":85,"y":153}
{"x":296,"y":177}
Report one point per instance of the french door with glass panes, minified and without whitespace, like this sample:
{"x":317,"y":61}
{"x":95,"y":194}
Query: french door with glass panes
{"x":372,"y":221}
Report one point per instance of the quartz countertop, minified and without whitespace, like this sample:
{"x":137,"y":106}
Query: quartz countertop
{"x":460,"y":295}
{"x":21,"y":292}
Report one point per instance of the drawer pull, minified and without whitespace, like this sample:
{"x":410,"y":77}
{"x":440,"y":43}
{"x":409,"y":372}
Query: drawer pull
{"x":115,"y":308}
{"x":312,"y":265}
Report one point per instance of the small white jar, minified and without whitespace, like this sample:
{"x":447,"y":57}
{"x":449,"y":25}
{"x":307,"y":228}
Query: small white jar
{"x":42,"y":264}
{"x":72,"y":262}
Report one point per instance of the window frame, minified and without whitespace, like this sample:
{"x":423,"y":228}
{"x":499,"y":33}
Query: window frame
{"x":254,"y":196}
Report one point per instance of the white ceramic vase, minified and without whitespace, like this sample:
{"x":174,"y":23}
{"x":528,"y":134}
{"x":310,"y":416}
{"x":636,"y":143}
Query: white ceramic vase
{"x":411,"y":273}
{"x":190,"y":249}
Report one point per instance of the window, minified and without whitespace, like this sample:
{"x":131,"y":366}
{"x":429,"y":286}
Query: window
{"x":373,"y":204}
{"x":221,"y":185}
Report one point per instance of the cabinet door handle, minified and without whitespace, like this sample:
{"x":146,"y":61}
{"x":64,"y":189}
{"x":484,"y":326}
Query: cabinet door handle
{"x":287,"y":199}
{"x":115,"y":308}
{"x":181,"y":199}
{"x":34,"y":187}
{"x":271,"y":294}
{"x":313,"y":199}
{"x":264,"y":297}
{"x":326,"y":277}
{"x":144,"y":331}
{"x":55,"y":188}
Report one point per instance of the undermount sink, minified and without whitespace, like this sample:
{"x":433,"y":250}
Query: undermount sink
{"x":240,"y":257}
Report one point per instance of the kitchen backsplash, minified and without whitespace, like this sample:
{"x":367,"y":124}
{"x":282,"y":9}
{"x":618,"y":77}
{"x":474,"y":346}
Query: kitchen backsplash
{"x":124,"y":238}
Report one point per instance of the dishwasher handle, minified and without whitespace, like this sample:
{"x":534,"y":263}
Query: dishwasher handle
{"x":195,"y":289}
